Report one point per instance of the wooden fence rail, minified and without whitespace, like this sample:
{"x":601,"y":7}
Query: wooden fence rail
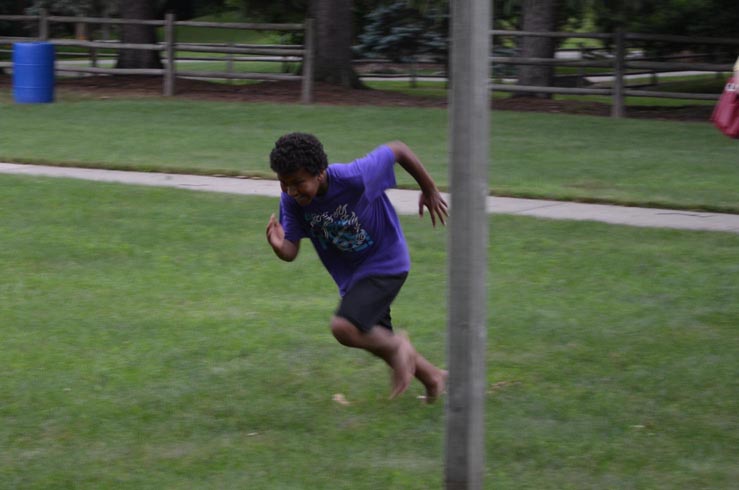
{"x":617,"y":65}
{"x":170,"y":47}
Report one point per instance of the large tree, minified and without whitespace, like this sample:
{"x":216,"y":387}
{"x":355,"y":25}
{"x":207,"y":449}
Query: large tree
{"x":697,"y":18}
{"x":717,"y":18}
{"x":333,"y":42}
{"x":139,"y":34}
{"x":334,"y":30}
{"x":538,"y":16}
{"x":9,"y":28}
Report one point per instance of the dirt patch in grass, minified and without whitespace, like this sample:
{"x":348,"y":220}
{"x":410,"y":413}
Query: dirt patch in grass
{"x":289,"y":92}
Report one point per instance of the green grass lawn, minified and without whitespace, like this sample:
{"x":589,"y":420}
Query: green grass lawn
{"x":151,"y":340}
{"x":237,"y":67}
{"x":187,"y":34}
{"x":626,"y":161}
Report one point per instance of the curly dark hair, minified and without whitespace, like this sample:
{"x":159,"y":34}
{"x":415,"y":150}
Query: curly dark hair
{"x":295,"y":151}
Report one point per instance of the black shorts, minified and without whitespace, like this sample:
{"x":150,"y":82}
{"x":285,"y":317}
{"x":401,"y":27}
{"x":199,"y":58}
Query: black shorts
{"x":368,"y":301}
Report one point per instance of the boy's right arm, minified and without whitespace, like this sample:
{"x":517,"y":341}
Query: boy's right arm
{"x":430,"y":197}
{"x":283,"y":248}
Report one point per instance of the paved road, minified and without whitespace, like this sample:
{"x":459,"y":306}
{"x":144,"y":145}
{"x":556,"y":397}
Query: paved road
{"x":406,"y":202}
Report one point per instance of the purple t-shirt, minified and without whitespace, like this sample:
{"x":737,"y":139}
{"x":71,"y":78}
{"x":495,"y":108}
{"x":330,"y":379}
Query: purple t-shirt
{"x":354,"y":227}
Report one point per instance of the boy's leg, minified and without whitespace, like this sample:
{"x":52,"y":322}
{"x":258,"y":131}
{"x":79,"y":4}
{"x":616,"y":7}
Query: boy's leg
{"x":433,"y":378}
{"x":355,"y":324}
{"x":363,"y":321}
{"x":395,"y":350}
{"x":398,"y":352}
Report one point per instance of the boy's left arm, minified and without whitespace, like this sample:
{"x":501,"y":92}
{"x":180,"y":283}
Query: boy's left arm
{"x":430,"y":197}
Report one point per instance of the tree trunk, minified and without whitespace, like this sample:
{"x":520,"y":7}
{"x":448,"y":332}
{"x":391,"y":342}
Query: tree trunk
{"x":183,"y":9}
{"x":333,"y":42}
{"x":138,"y":34}
{"x":15,"y":7}
{"x":538,"y":16}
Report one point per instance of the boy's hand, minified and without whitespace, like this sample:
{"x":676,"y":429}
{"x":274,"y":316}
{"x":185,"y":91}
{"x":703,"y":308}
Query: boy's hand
{"x":284,"y":249}
{"x":436,"y":205}
{"x":275,"y":233}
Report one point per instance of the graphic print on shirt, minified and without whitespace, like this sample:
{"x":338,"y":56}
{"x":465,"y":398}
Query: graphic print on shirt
{"x":339,"y":228}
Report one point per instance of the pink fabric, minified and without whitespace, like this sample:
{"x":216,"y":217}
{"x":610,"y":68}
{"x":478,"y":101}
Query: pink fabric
{"x":726,"y":114}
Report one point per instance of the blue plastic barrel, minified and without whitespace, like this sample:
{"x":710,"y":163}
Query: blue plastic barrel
{"x":33,"y":72}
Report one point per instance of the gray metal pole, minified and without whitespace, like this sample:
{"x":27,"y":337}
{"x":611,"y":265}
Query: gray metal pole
{"x":469,"y":119}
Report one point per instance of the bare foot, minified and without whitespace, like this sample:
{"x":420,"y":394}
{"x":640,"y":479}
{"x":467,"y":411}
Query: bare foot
{"x":437,"y":387}
{"x":403,"y":364}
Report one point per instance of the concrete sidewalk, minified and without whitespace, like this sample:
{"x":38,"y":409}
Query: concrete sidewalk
{"x":405,"y":201}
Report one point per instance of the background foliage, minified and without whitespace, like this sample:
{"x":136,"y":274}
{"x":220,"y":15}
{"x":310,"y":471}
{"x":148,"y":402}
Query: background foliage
{"x":399,"y":33}
{"x":691,"y":17}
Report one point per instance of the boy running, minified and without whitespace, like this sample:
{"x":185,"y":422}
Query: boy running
{"x":344,"y":211}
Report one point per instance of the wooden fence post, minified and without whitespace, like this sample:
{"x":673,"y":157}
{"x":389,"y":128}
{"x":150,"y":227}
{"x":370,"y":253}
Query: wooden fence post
{"x":93,"y":49}
{"x":169,"y":41}
{"x":43,"y":25}
{"x":414,"y":73}
{"x":308,"y":54}
{"x":619,"y":65}
{"x":80,"y":30}
{"x":230,"y":63}
{"x":581,"y":73}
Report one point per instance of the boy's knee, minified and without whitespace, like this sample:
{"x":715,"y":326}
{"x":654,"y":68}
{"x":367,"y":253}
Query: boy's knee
{"x":343,"y":330}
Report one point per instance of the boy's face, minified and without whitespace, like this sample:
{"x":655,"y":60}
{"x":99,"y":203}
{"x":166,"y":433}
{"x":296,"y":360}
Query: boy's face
{"x":302,"y":186}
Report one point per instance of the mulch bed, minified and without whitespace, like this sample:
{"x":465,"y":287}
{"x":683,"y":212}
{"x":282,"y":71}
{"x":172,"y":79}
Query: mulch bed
{"x":289,"y":92}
